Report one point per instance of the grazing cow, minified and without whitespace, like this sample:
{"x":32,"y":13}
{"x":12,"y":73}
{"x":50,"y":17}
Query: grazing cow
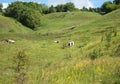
{"x":9,"y":41}
{"x":73,"y":27}
{"x":57,"y":41}
{"x":71,"y":43}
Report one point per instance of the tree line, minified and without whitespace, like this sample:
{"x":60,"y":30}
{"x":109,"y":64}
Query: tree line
{"x":106,"y":7}
{"x":29,"y":13}
{"x":68,"y":7}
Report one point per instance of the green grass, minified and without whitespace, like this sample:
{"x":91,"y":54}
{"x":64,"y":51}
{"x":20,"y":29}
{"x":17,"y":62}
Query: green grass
{"x":50,"y":63}
{"x":58,"y":22}
{"x":9,"y":25}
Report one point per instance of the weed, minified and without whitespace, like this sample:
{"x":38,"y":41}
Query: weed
{"x":64,"y":45}
{"x":11,"y":31}
{"x":117,"y":52}
{"x":117,"y":74}
{"x":95,"y":54}
{"x":20,"y":67}
{"x":108,"y":36}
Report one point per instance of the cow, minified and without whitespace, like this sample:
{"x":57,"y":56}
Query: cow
{"x":9,"y":41}
{"x":71,"y":43}
{"x":57,"y":41}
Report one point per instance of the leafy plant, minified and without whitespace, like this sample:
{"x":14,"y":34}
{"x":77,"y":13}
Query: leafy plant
{"x":108,"y":37}
{"x":95,"y":54}
{"x":117,"y":52}
{"x":20,"y":67}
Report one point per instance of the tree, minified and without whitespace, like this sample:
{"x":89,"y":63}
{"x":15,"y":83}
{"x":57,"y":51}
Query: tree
{"x":69,"y":7}
{"x":34,"y":6}
{"x":116,"y":2}
{"x":1,"y":6}
{"x":25,"y":13}
{"x":31,"y":18}
{"x":45,"y":9}
{"x":98,"y":10}
{"x":108,"y":7}
{"x":84,"y":9}
{"x":91,"y":9}
{"x":52,"y":9}
{"x":60,"y":8}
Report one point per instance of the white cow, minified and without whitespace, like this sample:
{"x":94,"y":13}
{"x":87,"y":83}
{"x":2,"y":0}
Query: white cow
{"x":9,"y":41}
{"x":71,"y":43}
{"x":57,"y":41}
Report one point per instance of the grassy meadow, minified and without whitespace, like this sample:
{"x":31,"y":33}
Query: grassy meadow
{"x":36,"y":59}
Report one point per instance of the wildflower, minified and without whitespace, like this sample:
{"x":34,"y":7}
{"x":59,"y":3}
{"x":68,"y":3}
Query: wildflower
{"x":99,"y":70}
{"x":68,"y":77}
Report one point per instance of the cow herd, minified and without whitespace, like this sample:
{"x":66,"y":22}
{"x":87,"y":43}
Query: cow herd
{"x":69,"y":44}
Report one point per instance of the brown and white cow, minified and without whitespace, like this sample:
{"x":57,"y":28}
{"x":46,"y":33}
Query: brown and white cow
{"x":9,"y":41}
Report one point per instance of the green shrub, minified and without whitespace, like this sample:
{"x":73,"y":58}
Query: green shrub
{"x":108,"y":39}
{"x":26,"y":13}
{"x":117,"y":75}
{"x":117,"y":52}
{"x":20,"y":67}
{"x":95,"y":54}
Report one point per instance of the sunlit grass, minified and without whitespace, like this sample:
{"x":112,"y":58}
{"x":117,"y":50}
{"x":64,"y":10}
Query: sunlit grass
{"x":54,"y":63}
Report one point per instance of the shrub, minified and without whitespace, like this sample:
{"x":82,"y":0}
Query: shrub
{"x":108,"y":37}
{"x":117,"y":75}
{"x":95,"y":54}
{"x":117,"y":52}
{"x":20,"y":67}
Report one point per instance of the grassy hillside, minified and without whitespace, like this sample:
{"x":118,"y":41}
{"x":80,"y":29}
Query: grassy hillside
{"x":57,"y":22}
{"x":9,"y":25}
{"x":94,"y":59}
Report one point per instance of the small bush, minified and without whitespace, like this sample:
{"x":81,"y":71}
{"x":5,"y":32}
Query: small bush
{"x":117,"y":52}
{"x":20,"y":67}
{"x":117,"y":75}
{"x":95,"y":54}
{"x":64,"y":45}
{"x":11,"y":30}
{"x":108,"y":36}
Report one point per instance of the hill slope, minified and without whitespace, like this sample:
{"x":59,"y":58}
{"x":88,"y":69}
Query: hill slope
{"x":94,"y":59}
{"x":9,"y":25}
{"x":101,"y":25}
{"x":59,"y":21}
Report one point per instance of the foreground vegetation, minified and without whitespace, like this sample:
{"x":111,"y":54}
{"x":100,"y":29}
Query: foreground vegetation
{"x":36,"y":59}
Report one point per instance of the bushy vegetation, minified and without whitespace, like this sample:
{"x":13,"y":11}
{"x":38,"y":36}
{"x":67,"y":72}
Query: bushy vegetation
{"x":20,"y":66}
{"x":1,"y":6}
{"x":116,"y":2}
{"x":65,"y":8}
{"x":29,"y":14}
{"x":95,"y":54}
{"x":106,"y":7}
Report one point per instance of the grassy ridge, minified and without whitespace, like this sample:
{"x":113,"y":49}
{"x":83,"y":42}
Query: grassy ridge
{"x":57,"y":22}
{"x":9,"y":25}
